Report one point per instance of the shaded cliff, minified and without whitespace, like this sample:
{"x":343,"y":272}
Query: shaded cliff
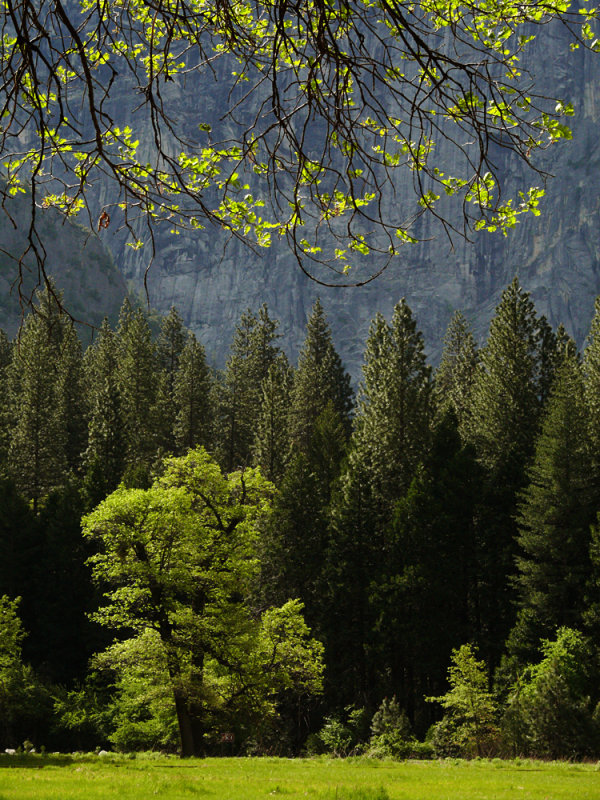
{"x":212,"y":280}
{"x":81,"y":266}
{"x":556,"y":255}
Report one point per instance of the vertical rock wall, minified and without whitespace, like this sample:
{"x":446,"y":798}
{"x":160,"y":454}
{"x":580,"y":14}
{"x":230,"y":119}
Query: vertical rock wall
{"x":556,"y":255}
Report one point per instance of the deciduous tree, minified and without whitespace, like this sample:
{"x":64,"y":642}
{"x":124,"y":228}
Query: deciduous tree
{"x":179,"y":559}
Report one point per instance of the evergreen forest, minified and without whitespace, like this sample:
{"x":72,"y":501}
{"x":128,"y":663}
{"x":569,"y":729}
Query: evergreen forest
{"x":259,"y":560}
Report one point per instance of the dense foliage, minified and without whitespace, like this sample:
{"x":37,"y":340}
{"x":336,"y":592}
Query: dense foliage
{"x":416,"y":575}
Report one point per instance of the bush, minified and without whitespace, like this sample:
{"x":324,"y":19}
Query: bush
{"x":549,"y":713}
{"x":443,"y":739}
{"x":343,"y":737}
{"x":391,"y":734}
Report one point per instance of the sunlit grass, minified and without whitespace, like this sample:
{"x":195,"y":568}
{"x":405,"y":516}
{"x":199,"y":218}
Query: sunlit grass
{"x":123,"y":778}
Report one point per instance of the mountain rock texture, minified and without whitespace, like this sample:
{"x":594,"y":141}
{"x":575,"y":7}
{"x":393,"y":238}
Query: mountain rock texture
{"x":556,"y":256}
{"x":80,"y":265}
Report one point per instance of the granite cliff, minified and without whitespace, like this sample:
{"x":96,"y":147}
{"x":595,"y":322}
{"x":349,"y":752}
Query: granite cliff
{"x":556,"y":255}
{"x":81,"y":266}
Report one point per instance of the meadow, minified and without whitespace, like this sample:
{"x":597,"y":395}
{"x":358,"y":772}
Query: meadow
{"x":103,"y":778}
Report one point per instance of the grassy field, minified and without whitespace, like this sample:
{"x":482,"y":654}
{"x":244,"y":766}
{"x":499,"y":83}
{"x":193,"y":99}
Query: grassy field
{"x":122,"y":778}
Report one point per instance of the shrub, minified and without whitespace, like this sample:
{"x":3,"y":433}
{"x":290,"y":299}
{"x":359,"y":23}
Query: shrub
{"x":391,"y":734}
{"x":343,"y":737}
{"x":549,"y":708}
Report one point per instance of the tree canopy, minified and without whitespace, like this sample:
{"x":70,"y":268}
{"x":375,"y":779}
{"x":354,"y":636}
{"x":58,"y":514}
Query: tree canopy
{"x":328,"y":102}
{"x":179,"y":559}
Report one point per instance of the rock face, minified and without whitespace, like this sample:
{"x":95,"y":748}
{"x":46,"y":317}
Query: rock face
{"x":555,"y":255}
{"x":82,"y":268}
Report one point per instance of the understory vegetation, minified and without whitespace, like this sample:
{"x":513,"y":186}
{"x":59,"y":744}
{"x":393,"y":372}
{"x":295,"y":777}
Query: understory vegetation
{"x":255,"y":561}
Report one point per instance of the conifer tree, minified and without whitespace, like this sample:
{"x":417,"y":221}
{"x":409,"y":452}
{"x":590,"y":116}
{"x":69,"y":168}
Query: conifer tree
{"x":506,"y":396}
{"x":20,"y":545}
{"x":320,"y":380}
{"x":390,"y":439}
{"x":193,"y":394}
{"x":6,"y":355}
{"x":296,"y":543}
{"x":70,"y":397}
{"x":169,"y":347}
{"x":67,"y":364}
{"x":271,"y":440}
{"x":505,"y":412}
{"x":555,"y":513}
{"x":171,"y":340}
{"x":423,"y":598}
{"x":37,"y":449}
{"x":138,"y":384}
{"x":163,"y":414}
{"x":126,"y":313}
{"x":395,"y":408}
{"x":551,"y":348}
{"x":456,"y":372}
{"x":105,"y":454}
{"x":591,"y":371}
{"x":5,"y":350}
{"x":253,"y":350}
{"x":60,"y":595}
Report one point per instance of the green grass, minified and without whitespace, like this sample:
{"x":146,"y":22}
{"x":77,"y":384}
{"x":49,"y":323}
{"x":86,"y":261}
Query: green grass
{"x":122,"y":778}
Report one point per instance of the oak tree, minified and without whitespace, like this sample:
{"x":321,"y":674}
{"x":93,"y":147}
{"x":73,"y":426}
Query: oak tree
{"x":179,"y":560}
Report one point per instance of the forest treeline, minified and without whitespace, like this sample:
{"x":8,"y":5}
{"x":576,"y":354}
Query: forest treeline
{"x":438,"y":534}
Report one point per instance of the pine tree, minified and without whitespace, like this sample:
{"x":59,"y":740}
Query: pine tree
{"x":390,"y":439}
{"x":171,"y":341}
{"x":169,"y":347}
{"x":70,"y":404}
{"x":271,"y":440}
{"x":395,"y":408}
{"x":505,"y":412}
{"x":423,"y":599}
{"x":456,"y":372}
{"x":555,"y":513}
{"x":252,"y":353}
{"x":104,"y":457}
{"x":5,"y":350}
{"x":60,"y":594}
{"x":126,"y":314}
{"x":20,"y":545}
{"x":6,"y":355}
{"x":193,"y":394}
{"x":550,"y":353}
{"x":591,"y":371}
{"x":297,"y":540}
{"x":138,"y":384}
{"x":67,"y":364}
{"x":320,"y":380}
{"x":162,"y":416}
{"x":37,"y":449}
{"x":506,"y":396}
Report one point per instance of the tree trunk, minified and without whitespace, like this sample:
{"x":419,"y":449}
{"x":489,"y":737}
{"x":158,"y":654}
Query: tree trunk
{"x":186,"y":727}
